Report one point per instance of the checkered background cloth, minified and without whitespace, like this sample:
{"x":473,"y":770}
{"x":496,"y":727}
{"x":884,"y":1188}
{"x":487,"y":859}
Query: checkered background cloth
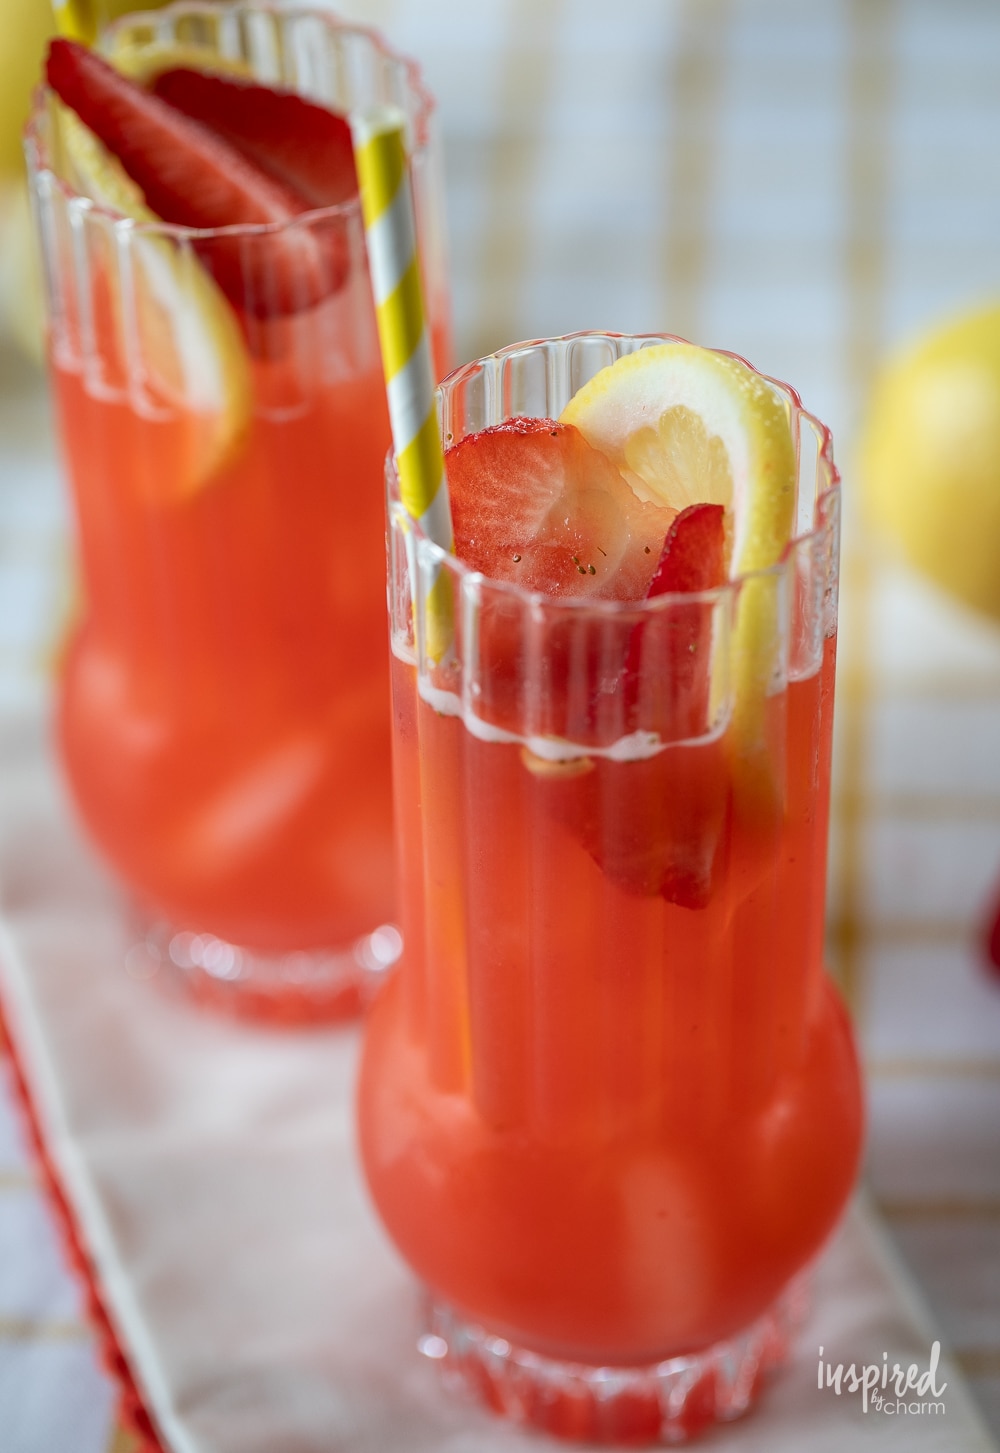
{"x":805,"y":184}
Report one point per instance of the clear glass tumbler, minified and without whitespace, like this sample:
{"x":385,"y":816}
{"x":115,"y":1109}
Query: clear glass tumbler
{"x":223,"y":709}
{"x":609,"y":1101}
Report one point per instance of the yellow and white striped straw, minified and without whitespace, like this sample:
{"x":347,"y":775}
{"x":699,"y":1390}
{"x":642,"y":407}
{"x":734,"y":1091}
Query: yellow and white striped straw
{"x":390,"y":230}
{"x":76,"y":19}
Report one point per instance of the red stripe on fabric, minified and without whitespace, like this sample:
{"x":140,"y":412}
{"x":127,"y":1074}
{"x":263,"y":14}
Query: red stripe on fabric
{"x":133,"y":1414}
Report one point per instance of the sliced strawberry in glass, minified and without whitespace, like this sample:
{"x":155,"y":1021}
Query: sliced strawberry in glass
{"x":193,"y":178}
{"x":532,"y":502}
{"x":667,"y":670}
{"x":536,"y":505}
{"x":694,"y":552}
{"x":285,"y":135}
{"x":651,"y":825}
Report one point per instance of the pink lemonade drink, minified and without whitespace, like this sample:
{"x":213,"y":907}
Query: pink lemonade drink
{"x":609,"y":1101}
{"x":223,"y":709}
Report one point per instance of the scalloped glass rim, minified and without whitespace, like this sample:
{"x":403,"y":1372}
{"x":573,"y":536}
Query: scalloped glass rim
{"x":37,"y":153}
{"x":826,"y":498}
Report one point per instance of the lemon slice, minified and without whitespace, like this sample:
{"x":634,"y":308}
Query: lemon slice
{"x":181,"y":339}
{"x":686,"y":425}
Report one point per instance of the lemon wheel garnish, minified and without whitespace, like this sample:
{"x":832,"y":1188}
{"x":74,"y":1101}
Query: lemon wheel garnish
{"x":187,"y":345}
{"x":685,"y":425}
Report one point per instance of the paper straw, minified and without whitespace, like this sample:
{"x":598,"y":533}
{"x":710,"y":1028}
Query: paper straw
{"x":390,"y":230}
{"x":76,"y":19}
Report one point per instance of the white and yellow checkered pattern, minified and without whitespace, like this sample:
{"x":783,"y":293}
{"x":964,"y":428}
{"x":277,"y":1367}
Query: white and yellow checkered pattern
{"x":804,"y":184}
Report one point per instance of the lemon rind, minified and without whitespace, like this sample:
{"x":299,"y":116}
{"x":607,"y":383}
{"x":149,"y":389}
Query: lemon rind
{"x":753,"y":421}
{"x":210,"y":352}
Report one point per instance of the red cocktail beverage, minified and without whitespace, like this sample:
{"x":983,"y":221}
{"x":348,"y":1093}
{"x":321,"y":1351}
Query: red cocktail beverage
{"x":224,"y":703}
{"x":610,"y":1105}
{"x":226,"y":732}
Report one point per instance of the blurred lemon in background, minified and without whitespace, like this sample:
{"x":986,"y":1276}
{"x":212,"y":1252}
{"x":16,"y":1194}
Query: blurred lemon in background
{"x":930,"y":458}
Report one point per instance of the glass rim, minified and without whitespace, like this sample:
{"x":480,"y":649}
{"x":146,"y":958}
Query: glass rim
{"x":826,"y":499}
{"x":40,"y":168}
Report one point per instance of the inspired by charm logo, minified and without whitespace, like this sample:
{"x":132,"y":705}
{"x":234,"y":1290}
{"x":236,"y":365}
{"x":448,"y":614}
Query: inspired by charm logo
{"x":896,"y":1391}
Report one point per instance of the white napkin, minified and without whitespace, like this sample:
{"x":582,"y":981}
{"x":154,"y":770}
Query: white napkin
{"x":211,"y":1171}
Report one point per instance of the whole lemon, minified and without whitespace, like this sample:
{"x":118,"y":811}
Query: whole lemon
{"x":930,"y":457}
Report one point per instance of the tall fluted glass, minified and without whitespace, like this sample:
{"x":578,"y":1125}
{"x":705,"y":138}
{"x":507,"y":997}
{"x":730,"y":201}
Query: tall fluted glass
{"x":223,"y":707}
{"x":609,"y":1101}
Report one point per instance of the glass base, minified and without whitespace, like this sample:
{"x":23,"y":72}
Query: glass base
{"x":307,"y":986}
{"x":665,"y":1402}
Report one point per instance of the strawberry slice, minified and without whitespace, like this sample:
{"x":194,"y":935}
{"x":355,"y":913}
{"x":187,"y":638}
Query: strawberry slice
{"x":694,"y":552}
{"x":667,"y":685}
{"x":192,"y":178}
{"x":533,"y":502}
{"x":667,"y":670}
{"x":287,"y":136}
{"x":653,"y":825}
